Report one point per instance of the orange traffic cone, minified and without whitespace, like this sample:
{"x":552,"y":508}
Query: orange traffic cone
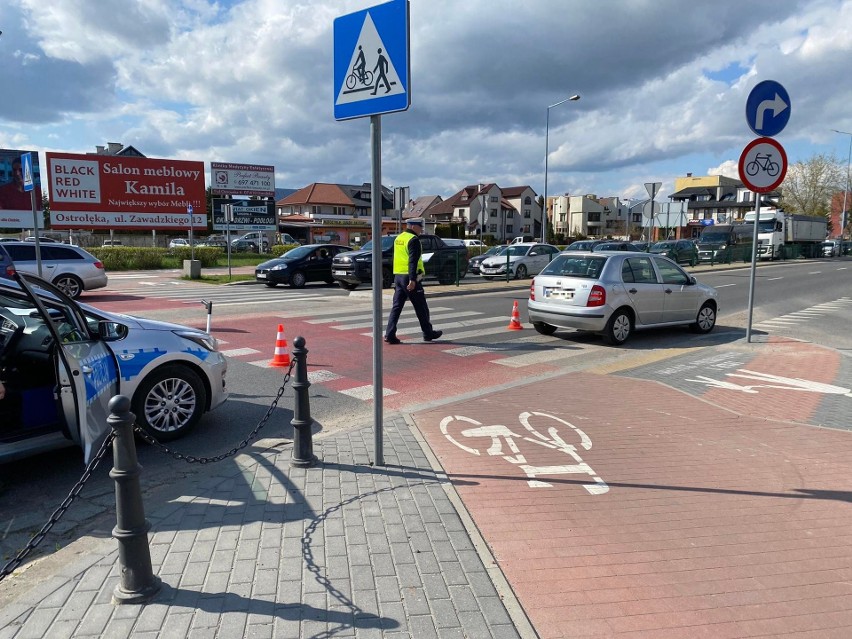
{"x":515,"y":322}
{"x":281,"y":356}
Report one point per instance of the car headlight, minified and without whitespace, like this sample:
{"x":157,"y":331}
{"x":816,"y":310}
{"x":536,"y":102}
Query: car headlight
{"x":205,"y":340}
{"x":343,"y":260}
{"x":278,"y":267}
{"x":364,"y":259}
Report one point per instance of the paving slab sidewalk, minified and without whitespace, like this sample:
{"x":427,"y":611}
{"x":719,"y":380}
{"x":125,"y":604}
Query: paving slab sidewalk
{"x":257,"y":548}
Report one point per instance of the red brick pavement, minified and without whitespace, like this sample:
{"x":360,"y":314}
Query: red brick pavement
{"x":715,"y":524}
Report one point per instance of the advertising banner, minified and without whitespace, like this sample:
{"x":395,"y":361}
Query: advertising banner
{"x":249,"y":215}
{"x":16,"y":209}
{"x":108,"y":191}
{"x":242,"y":179}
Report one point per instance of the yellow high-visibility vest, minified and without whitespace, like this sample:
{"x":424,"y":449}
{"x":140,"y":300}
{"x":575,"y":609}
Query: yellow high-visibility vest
{"x":400,"y":254}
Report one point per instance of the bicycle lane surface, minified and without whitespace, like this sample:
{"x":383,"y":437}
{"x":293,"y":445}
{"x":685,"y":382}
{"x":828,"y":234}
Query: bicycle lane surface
{"x":691,"y":496}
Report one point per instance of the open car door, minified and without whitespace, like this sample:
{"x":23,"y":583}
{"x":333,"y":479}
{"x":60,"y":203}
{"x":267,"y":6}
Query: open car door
{"x":86,"y":371}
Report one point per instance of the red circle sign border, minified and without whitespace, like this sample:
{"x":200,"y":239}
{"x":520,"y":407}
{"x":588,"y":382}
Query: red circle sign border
{"x":781,"y":174}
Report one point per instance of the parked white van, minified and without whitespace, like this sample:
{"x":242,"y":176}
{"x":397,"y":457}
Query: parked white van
{"x":474,"y":243}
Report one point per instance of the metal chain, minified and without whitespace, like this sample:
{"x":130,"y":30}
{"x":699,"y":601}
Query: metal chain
{"x":13,"y":564}
{"x":190,"y":459}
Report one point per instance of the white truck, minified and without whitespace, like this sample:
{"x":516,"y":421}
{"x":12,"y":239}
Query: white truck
{"x":781,"y":234}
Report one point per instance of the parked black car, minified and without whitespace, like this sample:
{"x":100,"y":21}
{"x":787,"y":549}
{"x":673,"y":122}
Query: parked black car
{"x":583,"y":245}
{"x":680,"y":251}
{"x":243,"y":246}
{"x":441,"y":261}
{"x":476,"y":260}
{"x":615,"y":245}
{"x":308,"y":263}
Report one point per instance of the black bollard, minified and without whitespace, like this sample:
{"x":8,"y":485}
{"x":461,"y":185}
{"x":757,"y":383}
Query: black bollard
{"x":138,"y":582}
{"x":303,"y":445}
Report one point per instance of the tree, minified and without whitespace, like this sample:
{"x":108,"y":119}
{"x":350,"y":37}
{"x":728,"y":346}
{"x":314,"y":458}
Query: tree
{"x":810,"y":183}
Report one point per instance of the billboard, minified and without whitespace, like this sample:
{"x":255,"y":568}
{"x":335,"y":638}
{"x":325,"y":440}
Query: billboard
{"x":242,"y":179}
{"x":16,"y":209}
{"x":108,"y":191}
{"x":249,"y":215}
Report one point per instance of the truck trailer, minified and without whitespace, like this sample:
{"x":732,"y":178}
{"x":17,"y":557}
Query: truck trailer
{"x":784,"y":235}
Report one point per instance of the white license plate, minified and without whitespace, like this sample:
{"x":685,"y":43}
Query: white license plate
{"x":558,"y":295}
{"x":261,"y":276}
{"x":339,"y":273}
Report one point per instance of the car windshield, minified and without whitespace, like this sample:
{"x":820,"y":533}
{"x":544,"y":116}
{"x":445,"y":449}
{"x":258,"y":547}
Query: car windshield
{"x":663,"y":245}
{"x":516,"y":250}
{"x":495,"y":250}
{"x":587,"y":267}
{"x":714,"y":237}
{"x":387,"y":243}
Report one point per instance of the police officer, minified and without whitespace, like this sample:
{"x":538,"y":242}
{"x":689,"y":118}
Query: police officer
{"x":408,"y":271}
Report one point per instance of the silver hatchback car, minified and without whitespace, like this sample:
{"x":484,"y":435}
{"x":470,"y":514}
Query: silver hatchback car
{"x":615,"y":293}
{"x":70,"y":268}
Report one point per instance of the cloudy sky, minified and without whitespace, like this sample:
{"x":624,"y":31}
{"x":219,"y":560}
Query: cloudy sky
{"x":663,"y":85}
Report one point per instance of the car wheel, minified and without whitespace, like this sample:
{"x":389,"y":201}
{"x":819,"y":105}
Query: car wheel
{"x":298,"y":279}
{"x":618,"y":328}
{"x":544,"y":329}
{"x":521,"y":272}
{"x":346,"y":286}
{"x":387,"y":278}
{"x":69,"y":284}
{"x":705,"y":320}
{"x":271,"y":284}
{"x":169,"y":402}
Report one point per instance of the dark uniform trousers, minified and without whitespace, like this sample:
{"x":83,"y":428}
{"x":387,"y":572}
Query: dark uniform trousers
{"x":418,"y":301}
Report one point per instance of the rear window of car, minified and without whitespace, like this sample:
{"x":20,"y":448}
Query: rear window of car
{"x":588,"y":267}
{"x":60,"y":253}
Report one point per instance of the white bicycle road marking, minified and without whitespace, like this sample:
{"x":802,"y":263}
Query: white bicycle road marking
{"x":502,"y":436}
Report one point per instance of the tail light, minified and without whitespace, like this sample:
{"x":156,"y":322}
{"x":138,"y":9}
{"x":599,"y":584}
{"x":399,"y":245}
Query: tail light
{"x":532,"y":290}
{"x":597,"y":296}
{"x":99,"y":264}
{"x":10,"y":270}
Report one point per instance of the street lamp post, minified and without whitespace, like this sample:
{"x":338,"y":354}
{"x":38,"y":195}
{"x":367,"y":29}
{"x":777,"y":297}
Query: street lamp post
{"x":573,"y":98}
{"x":844,"y":216}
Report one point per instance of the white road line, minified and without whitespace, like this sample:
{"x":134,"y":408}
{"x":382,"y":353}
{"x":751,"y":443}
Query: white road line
{"x":253,"y":302}
{"x":539,"y":357}
{"x":464,"y":334}
{"x":723,"y":285}
{"x":237,"y":352}
{"x":366,"y":392}
{"x":435,"y":318}
{"x":814,"y":272}
{"x":317,"y":377}
{"x":772,"y":279}
{"x":345,"y":317}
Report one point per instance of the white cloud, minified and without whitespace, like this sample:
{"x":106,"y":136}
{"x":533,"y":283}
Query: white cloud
{"x":663,"y":86}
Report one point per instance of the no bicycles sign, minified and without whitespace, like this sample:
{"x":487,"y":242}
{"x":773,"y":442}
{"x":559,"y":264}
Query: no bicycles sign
{"x":763,"y":165}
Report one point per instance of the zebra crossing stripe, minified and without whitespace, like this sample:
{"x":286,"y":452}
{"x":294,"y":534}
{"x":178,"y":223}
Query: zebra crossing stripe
{"x":539,"y":357}
{"x":345,"y":316}
{"x":238,"y":352}
{"x":346,"y":327}
{"x":366,"y":392}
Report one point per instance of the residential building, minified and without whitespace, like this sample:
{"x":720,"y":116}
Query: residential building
{"x":715,"y":199}
{"x":597,"y":217}
{"x":336,"y":213}
{"x":117,"y":148}
{"x":488,"y":209}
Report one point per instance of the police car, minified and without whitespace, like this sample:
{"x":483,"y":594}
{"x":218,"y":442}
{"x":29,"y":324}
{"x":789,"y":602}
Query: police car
{"x":63,"y":361}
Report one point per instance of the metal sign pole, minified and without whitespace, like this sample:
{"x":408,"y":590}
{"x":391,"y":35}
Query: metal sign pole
{"x":376,"y":211}
{"x":753,"y":274}
{"x":35,"y":230}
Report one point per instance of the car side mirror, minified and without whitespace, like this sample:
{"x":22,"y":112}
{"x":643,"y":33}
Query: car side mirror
{"x":111,"y":331}
{"x":692,"y":281}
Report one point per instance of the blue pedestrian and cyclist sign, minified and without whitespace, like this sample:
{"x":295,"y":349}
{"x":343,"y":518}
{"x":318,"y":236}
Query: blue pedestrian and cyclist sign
{"x":768,"y":108}
{"x":371,"y":61}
